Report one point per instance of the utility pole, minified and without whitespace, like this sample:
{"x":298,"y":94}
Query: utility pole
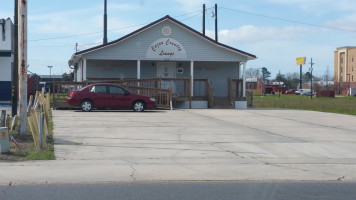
{"x":15,"y":71}
{"x":216,"y":22}
{"x":105,"y":40}
{"x":22,"y":60}
{"x":300,"y":78}
{"x":203,"y":19}
{"x":311,"y":80}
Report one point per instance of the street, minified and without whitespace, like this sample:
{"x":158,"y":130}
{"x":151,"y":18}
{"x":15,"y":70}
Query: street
{"x":185,"y":191}
{"x":193,"y":145}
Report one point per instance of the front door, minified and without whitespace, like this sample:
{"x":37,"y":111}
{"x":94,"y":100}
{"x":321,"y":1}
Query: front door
{"x":167,"y":70}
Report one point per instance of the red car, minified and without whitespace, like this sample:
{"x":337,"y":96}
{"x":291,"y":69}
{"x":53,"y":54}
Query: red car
{"x":291,"y":91}
{"x":107,"y":95}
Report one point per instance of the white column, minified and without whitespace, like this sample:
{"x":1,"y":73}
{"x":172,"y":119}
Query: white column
{"x":192,"y":77}
{"x":139,"y":69}
{"x":84,"y":70}
{"x":244,"y":80}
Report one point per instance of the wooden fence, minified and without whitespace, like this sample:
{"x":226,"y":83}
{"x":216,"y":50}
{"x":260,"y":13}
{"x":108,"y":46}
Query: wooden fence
{"x":63,"y":89}
{"x":38,"y":117}
{"x":164,"y":90}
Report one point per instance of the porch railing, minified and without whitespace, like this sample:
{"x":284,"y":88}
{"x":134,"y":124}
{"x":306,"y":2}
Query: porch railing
{"x":174,"y":89}
{"x":238,"y":84}
{"x":61,"y":91}
{"x":232,"y":90}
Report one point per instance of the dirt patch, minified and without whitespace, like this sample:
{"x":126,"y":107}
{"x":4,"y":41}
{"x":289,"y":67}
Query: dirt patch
{"x":17,"y":154}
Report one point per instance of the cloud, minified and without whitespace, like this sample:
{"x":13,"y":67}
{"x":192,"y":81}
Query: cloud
{"x":80,"y":21}
{"x":320,"y":6}
{"x":250,"y":33}
{"x":122,"y":7}
{"x":193,"y":5}
{"x":347,"y":22}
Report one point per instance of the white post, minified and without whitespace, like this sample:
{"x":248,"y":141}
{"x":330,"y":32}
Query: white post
{"x":244,"y":80}
{"x":138,"y":71}
{"x":192,"y":77}
{"x":22,"y":60}
{"x":84,"y":70}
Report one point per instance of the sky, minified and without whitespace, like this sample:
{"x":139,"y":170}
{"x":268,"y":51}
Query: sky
{"x":276,"y":31}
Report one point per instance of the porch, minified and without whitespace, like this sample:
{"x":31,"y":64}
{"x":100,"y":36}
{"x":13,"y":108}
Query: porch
{"x":169,"y":92}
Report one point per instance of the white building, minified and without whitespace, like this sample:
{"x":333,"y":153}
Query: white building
{"x":173,"y":51}
{"x":6,"y":59}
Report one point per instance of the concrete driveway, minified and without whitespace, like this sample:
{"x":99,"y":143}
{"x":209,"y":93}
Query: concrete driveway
{"x":111,"y":146}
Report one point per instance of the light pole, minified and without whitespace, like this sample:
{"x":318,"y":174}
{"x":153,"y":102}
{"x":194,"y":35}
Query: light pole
{"x":50,"y":78}
{"x":349,"y":92}
{"x":311,"y":80}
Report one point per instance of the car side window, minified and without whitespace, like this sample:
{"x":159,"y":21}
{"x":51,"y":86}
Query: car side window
{"x":116,"y":90}
{"x":98,"y":89}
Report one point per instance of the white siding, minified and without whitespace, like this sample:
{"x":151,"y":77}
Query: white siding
{"x":135,"y":47}
{"x":5,"y":68}
{"x":6,"y":40}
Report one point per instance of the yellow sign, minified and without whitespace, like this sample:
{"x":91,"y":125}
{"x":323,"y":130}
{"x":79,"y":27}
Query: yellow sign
{"x":3,"y":136}
{"x":300,"y":60}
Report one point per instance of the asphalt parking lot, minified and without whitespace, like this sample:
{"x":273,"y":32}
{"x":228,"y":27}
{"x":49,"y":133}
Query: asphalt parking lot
{"x":197,"y":145}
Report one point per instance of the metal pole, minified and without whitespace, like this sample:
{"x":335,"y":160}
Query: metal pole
{"x":23,"y":65}
{"x":15,"y":72}
{"x":203,"y":19}
{"x":300,"y":78}
{"x":105,"y":40}
{"x":311,"y":80}
{"x":216,"y":22}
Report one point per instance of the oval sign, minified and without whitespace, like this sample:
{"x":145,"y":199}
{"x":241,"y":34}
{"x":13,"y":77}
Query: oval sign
{"x":166,"y":48}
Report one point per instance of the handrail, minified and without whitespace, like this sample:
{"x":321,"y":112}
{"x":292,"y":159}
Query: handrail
{"x":180,"y":88}
{"x":61,"y":91}
{"x":232,"y":91}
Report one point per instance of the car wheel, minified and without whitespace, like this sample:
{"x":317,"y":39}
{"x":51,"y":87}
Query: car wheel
{"x":86,"y":105}
{"x":138,"y":106}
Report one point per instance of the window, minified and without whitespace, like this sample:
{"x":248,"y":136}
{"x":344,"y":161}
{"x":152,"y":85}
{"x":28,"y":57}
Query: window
{"x":116,"y":90}
{"x":98,"y":89}
{"x":341,"y":60}
{"x":341,"y":69}
{"x":352,"y":68}
{"x":341,"y":79}
{"x":352,"y":77}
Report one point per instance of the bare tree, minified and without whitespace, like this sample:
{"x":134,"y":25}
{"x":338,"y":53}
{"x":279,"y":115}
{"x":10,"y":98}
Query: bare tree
{"x":253,"y":72}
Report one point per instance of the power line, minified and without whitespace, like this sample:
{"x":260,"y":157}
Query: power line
{"x":93,"y":33}
{"x":288,"y":20}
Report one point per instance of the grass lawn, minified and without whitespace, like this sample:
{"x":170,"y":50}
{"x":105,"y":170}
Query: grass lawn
{"x":342,"y":105}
